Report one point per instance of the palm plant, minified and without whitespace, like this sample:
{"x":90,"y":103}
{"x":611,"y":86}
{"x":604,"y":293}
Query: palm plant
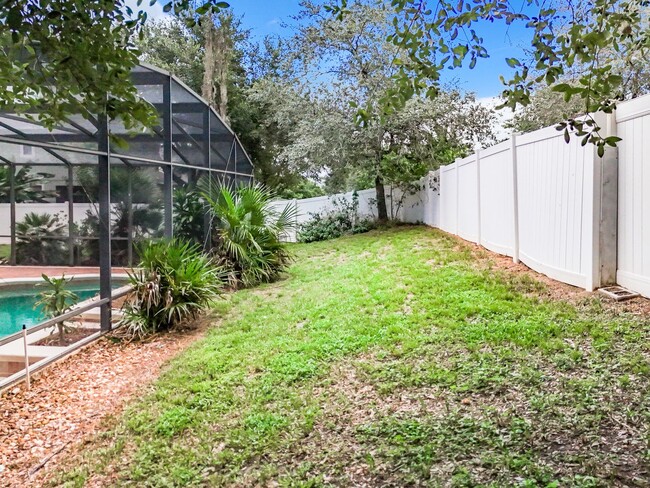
{"x":249,"y":231}
{"x":25,"y":185}
{"x":174,"y":282}
{"x":39,"y":239}
{"x":57,"y":300}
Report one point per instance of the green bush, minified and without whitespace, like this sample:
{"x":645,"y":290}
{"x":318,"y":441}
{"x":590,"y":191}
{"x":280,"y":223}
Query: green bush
{"x":248,"y":232}
{"x":56,"y":301}
{"x":341,"y":220}
{"x":40,"y":240}
{"x":189,"y":212}
{"x":174,"y":283}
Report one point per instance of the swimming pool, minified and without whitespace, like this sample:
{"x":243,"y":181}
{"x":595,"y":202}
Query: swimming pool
{"x":17,"y":304}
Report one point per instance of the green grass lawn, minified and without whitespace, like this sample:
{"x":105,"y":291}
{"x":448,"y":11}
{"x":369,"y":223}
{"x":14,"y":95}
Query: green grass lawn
{"x":394,"y":358}
{"x":5,"y":251}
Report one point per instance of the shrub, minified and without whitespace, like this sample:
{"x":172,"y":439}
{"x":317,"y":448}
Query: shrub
{"x":248,"y":232}
{"x":189,"y":212}
{"x":39,"y":239}
{"x":175,"y":282}
{"x":341,"y":220}
{"x":56,"y":300}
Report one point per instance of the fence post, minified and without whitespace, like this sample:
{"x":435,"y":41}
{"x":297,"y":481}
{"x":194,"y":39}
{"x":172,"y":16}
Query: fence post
{"x":478,"y":194}
{"x":602,"y":221}
{"x":608,"y":234}
{"x":515,"y":197}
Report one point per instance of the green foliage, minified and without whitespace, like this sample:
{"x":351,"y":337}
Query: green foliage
{"x":248,"y":235}
{"x":38,"y":239}
{"x":56,"y":301}
{"x":332,"y":223}
{"x":298,"y":188}
{"x":173,"y":284}
{"x":584,"y":41}
{"x":145,"y":219}
{"x":189,"y":213}
{"x":546,"y":108}
{"x":347,"y":66}
{"x":25,"y":183}
{"x":64,"y":57}
{"x":143,"y":185}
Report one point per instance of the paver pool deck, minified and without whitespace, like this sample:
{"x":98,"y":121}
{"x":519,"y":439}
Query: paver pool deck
{"x":13,"y":272}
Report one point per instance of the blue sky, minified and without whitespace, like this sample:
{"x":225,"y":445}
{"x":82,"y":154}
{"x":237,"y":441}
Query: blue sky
{"x":265,"y":17}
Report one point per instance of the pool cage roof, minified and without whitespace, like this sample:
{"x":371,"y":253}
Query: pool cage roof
{"x":191,"y":134}
{"x":93,"y":199}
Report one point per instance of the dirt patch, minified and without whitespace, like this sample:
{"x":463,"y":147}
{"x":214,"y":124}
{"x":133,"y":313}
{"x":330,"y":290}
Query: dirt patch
{"x":68,"y":401}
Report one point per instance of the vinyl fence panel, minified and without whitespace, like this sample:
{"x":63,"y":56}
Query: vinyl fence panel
{"x":555,"y":210}
{"x":497,"y":199}
{"x":633,"y":121}
{"x":468,"y":217}
{"x":448,"y":199}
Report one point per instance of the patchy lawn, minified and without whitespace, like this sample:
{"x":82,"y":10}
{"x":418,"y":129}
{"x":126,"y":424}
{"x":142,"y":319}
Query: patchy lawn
{"x":392,"y":358}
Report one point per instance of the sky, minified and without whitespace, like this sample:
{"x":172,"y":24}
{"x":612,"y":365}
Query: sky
{"x":266,"y":17}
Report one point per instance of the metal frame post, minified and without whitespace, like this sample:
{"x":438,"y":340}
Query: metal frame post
{"x":129,"y":202}
{"x":12,"y":213}
{"x":71,"y":233}
{"x":168,"y":186}
{"x":104,"y":201}
{"x":207,"y":160}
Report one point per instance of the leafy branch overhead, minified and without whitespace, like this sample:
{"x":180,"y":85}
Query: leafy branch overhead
{"x":62,"y":57}
{"x":575,"y":48}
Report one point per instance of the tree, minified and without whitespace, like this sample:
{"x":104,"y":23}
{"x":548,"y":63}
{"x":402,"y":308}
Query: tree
{"x":251,"y":99}
{"x":441,"y":34}
{"x":171,"y":45}
{"x":64,"y":57}
{"x":347,"y":64}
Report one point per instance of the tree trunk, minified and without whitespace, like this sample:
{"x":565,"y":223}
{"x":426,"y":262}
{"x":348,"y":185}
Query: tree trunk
{"x":222,"y":62}
{"x":207,"y":87}
{"x":382,"y":212}
{"x":216,"y":65}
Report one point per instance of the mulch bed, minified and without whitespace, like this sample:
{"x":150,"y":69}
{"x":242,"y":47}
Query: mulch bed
{"x":71,"y":337}
{"x":68,"y":401}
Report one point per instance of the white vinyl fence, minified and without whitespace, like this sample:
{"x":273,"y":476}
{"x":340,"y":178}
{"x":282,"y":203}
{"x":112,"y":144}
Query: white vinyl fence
{"x":557,"y":207}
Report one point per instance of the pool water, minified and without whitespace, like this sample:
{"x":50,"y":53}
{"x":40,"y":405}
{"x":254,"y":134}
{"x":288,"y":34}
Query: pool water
{"x":17,"y":305}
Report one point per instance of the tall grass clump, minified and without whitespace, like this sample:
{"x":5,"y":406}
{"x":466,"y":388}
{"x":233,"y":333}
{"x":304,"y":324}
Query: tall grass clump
{"x":174,"y":283}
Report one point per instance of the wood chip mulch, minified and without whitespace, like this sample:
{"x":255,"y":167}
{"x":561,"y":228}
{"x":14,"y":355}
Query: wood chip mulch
{"x":68,"y":401}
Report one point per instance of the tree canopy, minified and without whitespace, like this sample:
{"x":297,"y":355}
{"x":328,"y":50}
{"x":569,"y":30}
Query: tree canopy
{"x":338,"y":72}
{"x":575,"y":38}
{"x":65,"y":57}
